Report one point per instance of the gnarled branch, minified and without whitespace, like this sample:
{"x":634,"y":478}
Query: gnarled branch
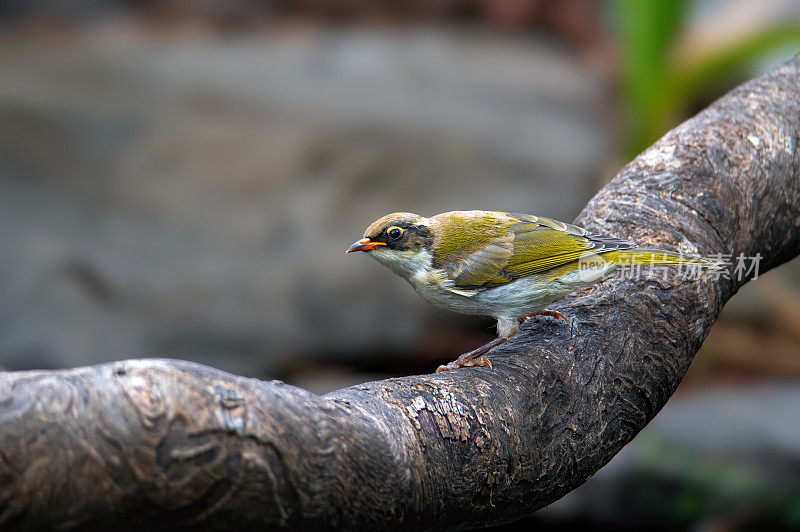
{"x":160,"y":443}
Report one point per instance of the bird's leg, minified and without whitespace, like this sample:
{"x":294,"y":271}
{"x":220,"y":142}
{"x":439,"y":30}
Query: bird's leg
{"x":551,"y":313}
{"x":506,"y":328}
{"x":474,"y":357}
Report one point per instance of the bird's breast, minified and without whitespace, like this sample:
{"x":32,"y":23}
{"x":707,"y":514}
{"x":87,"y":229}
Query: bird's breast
{"x":518,"y":298}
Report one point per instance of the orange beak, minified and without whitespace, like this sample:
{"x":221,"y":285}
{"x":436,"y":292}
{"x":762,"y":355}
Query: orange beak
{"x":365,"y":244}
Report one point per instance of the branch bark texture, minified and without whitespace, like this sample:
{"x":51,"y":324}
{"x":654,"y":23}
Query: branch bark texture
{"x":160,"y":444}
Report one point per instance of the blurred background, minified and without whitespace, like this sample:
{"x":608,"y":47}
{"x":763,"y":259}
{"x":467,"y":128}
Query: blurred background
{"x":181,"y":178}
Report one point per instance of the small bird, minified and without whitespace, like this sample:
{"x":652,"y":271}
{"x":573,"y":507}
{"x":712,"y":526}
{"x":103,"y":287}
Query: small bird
{"x":508,"y":266}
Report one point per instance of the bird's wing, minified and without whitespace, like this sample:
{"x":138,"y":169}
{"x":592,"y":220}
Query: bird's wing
{"x":493,"y":249}
{"x":472,"y":247}
{"x":552,"y":244}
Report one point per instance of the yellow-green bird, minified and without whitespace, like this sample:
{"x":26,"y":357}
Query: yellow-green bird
{"x":508,"y":266}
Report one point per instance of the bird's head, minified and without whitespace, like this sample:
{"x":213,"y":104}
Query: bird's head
{"x":400,"y":241}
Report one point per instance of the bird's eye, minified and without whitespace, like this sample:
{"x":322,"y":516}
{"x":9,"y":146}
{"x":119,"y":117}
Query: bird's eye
{"x":394,"y":232}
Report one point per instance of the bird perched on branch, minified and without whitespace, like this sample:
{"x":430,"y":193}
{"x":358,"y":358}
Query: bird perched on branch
{"x":508,"y":266}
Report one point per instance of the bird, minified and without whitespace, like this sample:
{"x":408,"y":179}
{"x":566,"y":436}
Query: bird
{"x":507,"y":266}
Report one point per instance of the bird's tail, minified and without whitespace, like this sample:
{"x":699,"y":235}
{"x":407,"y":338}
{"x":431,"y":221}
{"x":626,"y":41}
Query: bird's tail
{"x":656,"y":257}
{"x":592,"y":267}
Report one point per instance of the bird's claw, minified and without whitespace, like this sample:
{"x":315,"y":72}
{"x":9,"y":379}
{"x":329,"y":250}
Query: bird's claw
{"x":479,"y":361}
{"x":551,"y":313}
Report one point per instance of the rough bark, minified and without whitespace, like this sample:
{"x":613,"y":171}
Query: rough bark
{"x":163,"y":443}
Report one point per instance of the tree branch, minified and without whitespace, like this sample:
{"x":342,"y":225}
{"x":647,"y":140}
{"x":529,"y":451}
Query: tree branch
{"x":162,"y":443}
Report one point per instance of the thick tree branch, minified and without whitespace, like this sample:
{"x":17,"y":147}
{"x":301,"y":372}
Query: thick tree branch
{"x":160,"y":443}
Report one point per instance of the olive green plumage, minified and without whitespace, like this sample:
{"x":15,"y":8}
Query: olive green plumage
{"x":500,"y":264}
{"x":492,"y":249}
{"x":487,"y":249}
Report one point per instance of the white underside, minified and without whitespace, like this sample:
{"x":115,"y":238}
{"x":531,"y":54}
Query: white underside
{"x":517,"y":299}
{"x":507,"y":303}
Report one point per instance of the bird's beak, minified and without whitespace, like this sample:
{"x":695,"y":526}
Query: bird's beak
{"x":365,"y":244}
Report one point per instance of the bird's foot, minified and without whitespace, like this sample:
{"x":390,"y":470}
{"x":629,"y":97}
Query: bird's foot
{"x":458,"y":363}
{"x":474,"y":357}
{"x":551,"y":313}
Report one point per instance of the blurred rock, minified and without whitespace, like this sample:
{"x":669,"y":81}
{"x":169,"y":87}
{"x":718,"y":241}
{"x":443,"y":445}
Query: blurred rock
{"x":193,"y":196}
